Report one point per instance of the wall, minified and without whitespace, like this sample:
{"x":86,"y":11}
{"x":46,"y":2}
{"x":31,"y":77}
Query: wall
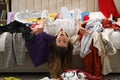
{"x":54,"y":5}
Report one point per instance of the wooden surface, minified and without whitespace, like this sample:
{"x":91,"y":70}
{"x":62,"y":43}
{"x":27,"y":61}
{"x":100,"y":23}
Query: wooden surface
{"x":54,"y":5}
{"x":3,"y":22}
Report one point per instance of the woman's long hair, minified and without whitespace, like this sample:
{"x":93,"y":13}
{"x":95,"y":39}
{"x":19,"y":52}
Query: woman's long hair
{"x":60,"y":59}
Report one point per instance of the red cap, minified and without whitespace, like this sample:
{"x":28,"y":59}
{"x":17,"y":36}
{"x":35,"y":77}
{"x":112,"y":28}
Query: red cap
{"x":86,"y":18}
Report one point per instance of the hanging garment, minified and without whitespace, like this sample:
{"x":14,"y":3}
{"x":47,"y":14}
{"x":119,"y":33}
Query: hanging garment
{"x":92,"y":61}
{"x":10,"y":17}
{"x":14,"y":50}
{"x":38,"y":48}
{"x":93,"y":26}
{"x":107,"y":7}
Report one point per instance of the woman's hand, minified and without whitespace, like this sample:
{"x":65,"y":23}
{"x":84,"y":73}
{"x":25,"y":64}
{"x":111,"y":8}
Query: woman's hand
{"x":38,"y":28}
{"x":84,"y":31}
{"x":81,"y":29}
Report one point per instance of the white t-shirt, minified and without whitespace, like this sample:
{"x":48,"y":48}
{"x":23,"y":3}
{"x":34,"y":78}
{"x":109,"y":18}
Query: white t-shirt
{"x":69,"y":26}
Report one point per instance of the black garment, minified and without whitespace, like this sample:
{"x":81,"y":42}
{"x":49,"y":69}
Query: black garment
{"x":18,"y":27}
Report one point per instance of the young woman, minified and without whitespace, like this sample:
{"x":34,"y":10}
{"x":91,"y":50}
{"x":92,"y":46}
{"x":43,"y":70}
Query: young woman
{"x":61,"y":48}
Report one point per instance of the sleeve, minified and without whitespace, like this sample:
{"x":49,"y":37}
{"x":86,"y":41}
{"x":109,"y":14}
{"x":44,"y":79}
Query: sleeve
{"x":48,"y":37}
{"x":76,"y":13}
{"x":51,"y":28}
{"x":45,"y":14}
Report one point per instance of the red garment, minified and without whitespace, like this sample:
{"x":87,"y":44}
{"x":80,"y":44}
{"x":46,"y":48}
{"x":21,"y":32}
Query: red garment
{"x":92,"y":61}
{"x":116,"y":27}
{"x":86,"y":18}
{"x":108,"y":24}
{"x":35,"y":24}
{"x":107,"y":7}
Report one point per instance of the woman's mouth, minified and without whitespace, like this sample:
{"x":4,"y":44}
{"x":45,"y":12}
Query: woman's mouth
{"x":62,"y":34}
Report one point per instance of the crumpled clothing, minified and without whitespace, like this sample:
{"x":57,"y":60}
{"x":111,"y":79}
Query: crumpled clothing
{"x":46,"y":78}
{"x":93,"y":26}
{"x":108,"y":24}
{"x":73,"y":75}
{"x":110,"y":48}
{"x":11,"y":78}
{"x":78,"y":74}
{"x":18,"y":27}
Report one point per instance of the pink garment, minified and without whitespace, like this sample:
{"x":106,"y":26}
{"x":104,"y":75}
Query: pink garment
{"x":107,"y":7}
{"x":10,"y":17}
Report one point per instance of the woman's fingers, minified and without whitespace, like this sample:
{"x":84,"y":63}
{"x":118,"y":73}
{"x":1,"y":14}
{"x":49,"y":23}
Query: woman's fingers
{"x":84,"y":31}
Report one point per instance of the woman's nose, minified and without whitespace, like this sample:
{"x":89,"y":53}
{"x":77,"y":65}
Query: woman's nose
{"x":62,"y":38}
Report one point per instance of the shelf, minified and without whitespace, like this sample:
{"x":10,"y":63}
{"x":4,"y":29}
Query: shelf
{"x":4,"y":22}
{"x":3,"y":6}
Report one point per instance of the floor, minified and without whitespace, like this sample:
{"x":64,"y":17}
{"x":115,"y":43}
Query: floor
{"x":113,"y":76}
{"x":37,"y":76}
{"x":25,"y":76}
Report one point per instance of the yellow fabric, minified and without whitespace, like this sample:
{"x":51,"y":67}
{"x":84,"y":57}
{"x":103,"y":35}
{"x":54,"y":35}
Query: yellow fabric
{"x":11,"y":78}
{"x":34,"y":20}
{"x":52,"y":15}
{"x":1,"y":25}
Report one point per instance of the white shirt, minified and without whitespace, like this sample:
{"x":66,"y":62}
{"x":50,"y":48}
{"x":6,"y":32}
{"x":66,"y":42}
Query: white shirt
{"x":69,"y":26}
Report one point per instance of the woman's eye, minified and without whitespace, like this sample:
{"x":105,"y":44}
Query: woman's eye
{"x":63,"y":41}
{"x":58,"y":40}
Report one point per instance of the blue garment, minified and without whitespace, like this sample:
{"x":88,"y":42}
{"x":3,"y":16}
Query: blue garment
{"x":38,"y":48}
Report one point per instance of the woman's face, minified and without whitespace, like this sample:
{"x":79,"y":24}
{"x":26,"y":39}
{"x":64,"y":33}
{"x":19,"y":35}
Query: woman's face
{"x":62,"y":39}
{"x":118,"y":19}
